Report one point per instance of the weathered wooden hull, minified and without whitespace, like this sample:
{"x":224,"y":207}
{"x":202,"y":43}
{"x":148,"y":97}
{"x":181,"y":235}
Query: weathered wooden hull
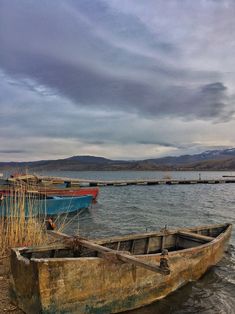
{"x":96,"y":285}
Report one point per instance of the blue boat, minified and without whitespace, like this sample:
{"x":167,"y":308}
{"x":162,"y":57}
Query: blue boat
{"x":48,"y":206}
{"x":55,"y":205}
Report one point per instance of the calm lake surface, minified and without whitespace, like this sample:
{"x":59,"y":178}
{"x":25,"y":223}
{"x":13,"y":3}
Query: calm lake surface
{"x":131,"y":209}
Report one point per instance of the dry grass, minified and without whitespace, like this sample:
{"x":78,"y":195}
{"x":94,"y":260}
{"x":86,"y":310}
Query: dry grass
{"x":18,"y":228}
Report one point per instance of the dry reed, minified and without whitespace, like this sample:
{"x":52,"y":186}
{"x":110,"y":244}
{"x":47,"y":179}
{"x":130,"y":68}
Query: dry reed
{"x":20,"y":222}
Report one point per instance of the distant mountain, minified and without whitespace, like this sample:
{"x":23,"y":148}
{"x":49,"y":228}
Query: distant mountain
{"x":208,"y":160}
{"x":88,"y":159}
{"x":210,"y":155}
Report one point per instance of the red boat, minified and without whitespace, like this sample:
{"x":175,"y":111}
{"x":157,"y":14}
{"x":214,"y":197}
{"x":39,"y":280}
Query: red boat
{"x":32,"y":184}
{"x":70,"y":192}
{"x":59,"y":192}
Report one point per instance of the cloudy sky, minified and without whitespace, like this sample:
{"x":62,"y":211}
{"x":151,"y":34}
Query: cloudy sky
{"x":123,"y":79}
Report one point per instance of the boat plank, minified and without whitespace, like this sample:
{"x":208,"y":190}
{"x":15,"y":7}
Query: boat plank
{"x":43,"y":248}
{"x":104,"y":250}
{"x":124,"y":257}
{"x":196,"y":236}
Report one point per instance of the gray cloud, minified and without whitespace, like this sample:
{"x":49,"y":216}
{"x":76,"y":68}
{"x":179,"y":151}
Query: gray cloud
{"x":214,"y":98}
{"x":12,"y":151}
{"x":103,"y":67}
{"x":111,"y":76}
{"x":158,"y":143}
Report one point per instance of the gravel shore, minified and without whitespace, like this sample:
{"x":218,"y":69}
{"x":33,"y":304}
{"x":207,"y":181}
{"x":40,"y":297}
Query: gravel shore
{"x":5,"y":305}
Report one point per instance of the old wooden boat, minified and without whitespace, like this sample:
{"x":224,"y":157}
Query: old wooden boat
{"x":45,"y":206}
{"x":113,"y":275}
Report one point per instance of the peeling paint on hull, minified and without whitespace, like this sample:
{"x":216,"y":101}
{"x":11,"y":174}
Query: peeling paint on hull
{"x":94,"y":285}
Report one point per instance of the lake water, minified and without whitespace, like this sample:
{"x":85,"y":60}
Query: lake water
{"x":130,"y":209}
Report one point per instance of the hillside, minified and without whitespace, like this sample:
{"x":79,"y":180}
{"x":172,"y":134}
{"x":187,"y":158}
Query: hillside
{"x":209,"y":160}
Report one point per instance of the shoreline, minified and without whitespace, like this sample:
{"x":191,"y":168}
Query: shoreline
{"x":5,"y":303}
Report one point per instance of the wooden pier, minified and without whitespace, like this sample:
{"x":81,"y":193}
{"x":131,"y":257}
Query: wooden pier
{"x":85,"y":182}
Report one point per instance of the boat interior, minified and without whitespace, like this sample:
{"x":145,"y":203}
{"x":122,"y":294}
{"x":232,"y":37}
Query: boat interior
{"x":139,"y":244}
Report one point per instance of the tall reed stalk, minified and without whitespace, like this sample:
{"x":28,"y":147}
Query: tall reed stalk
{"x":20,"y":222}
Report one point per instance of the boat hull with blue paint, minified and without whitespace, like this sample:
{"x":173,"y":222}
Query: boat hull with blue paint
{"x":48,"y":206}
{"x":59,"y":205}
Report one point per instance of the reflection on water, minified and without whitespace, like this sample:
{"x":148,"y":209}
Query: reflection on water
{"x":131,"y":209}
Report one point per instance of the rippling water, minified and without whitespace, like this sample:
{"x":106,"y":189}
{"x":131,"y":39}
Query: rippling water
{"x":131,"y":209}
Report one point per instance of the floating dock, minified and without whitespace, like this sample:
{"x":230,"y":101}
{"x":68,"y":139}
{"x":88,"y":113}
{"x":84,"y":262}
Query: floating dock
{"x":86,"y":182}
